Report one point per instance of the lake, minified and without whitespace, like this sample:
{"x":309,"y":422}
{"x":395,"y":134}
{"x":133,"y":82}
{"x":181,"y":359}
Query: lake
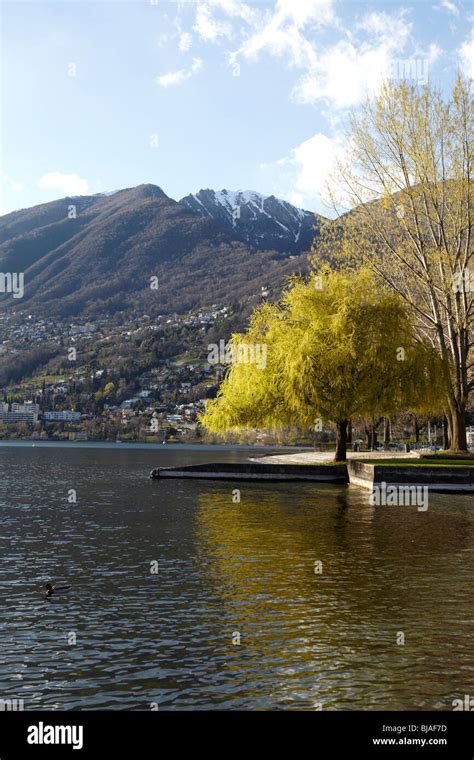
{"x":240,"y":615}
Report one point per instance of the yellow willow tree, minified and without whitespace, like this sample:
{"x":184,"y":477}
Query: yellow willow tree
{"x":408,"y":175}
{"x":337,"y":345}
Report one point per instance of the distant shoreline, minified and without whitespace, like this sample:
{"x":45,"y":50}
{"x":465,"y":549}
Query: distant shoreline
{"x":29,"y":443}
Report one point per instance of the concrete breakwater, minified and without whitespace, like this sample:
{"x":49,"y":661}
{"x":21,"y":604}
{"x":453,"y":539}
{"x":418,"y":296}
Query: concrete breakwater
{"x":444,"y":478}
{"x":324,"y":473}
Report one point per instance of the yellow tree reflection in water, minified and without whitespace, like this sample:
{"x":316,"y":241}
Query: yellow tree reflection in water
{"x":323,"y":633}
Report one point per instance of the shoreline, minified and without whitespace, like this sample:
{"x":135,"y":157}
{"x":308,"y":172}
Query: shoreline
{"x":399,"y":473}
{"x":31,"y":443}
{"x":327,"y":457}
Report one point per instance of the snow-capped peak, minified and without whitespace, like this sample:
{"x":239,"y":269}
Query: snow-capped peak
{"x":238,"y":197}
{"x":262,"y":220}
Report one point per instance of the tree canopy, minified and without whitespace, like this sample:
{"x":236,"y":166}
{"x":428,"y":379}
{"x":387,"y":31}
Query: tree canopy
{"x":338,"y":345}
{"x":408,"y":176}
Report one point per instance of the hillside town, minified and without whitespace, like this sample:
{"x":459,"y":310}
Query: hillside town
{"x":95,"y":382}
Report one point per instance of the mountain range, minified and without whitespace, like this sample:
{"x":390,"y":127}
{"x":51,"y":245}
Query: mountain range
{"x":98,"y":254}
{"x":263,"y":222}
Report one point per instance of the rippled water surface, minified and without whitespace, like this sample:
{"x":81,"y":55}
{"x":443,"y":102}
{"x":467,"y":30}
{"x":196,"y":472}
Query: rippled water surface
{"x":225,"y":570}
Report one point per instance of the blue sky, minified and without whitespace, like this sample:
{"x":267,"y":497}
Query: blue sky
{"x":102,"y":95}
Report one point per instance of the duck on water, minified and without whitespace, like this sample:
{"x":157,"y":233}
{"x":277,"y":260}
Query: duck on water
{"x":54,"y":590}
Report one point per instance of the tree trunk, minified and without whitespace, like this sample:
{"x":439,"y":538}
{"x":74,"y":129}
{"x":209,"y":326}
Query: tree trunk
{"x":349,"y":431}
{"x":374,"y":436}
{"x":368,"y":438}
{"x":386,"y":433}
{"x":446,"y":438}
{"x":341,"y":441}
{"x":436,"y":235}
{"x":416,"y":429}
{"x":458,"y":431}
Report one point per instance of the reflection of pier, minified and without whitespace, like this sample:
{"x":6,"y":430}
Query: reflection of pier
{"x":335,"y":473}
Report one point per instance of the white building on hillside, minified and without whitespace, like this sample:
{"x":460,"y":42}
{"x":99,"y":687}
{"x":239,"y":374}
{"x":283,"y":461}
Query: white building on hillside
{"x":19,"y":412}
{"x":65,"y":416}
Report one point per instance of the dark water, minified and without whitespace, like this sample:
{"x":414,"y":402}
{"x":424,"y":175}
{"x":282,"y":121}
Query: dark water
{"x":225,"y":570}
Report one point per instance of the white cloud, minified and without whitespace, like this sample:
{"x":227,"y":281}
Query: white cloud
{"x":345,"y":75}
{"x":434,"y":52}
{"x":466,"y":58}
{"x":342,"y":73}
{"x":315,"y":161}
{"x":282,"y":33}
{"x":185,"y":41}
{"x":428,"y":57}
{"x":280,"y":41}
{"x":300,"y":13}
{"x":450,"y":7}
{"x":68,"y":184}
{"x":206,"y":25}
{"x":304,"y":175}
{"x":349,"y":71}
{"x":236,"y":8}
{"x":176,"y":77}
{"x":393,"y":28}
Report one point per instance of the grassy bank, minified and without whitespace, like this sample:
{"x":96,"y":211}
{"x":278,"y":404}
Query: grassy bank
{"x":423,"y":462}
